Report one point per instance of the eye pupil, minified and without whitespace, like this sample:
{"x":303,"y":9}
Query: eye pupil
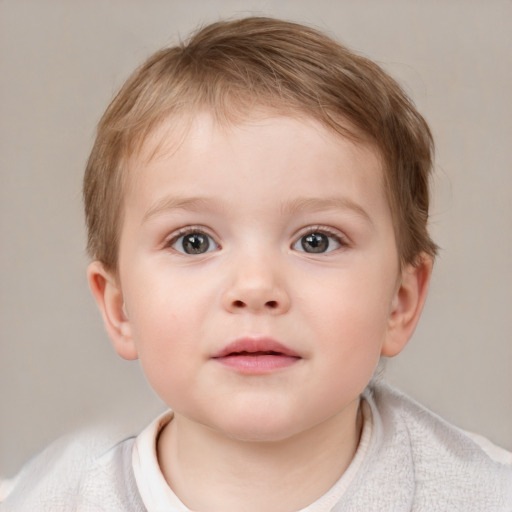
{"x":195,"y":243}
{"x":315,"y":242}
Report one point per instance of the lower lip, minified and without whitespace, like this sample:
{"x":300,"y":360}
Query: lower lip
{"x":257,"y":364}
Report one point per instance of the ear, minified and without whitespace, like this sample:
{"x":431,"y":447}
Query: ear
{"x":108,"y":294}
{"x":407,"y":305}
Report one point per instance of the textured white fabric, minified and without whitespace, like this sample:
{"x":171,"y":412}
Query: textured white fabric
{"x":495,"y":452}
{"x":414,"y":461}
{"x":418,"y":462}
{"x":89,"y":472}
{"x":6,"y":486}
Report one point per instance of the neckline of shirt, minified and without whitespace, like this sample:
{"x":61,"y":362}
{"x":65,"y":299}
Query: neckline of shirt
{"x":157,"y":496}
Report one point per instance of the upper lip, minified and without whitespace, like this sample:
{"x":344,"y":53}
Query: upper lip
{"x":251,"y":345}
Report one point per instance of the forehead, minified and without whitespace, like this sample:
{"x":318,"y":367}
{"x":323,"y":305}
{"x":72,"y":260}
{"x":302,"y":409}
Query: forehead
{"x":199,"y":134}
{"x":265,"y":169}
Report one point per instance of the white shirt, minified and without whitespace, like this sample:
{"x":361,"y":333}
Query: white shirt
{"x":408,"y":460}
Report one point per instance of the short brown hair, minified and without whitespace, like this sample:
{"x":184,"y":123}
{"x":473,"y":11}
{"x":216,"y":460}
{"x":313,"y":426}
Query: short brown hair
{"x":230,"y":68}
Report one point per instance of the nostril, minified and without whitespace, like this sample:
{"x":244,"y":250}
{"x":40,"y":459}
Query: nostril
{"x":238,"y":304}
{"x":271,"y":304}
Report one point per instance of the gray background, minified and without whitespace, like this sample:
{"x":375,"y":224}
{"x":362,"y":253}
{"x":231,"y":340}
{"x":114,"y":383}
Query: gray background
{"x":60,"y":63}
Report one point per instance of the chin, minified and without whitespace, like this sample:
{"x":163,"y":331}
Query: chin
{"x":252,"y":435}
{"x":260,"y":428}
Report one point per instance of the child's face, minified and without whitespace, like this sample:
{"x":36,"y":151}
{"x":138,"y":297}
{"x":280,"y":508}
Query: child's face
{"x":275,"y":234}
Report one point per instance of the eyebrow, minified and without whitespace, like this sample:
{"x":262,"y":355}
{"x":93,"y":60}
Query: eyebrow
{"x":315,"y":204}
{"x":178,"y":203}
{"x":310,"y":204}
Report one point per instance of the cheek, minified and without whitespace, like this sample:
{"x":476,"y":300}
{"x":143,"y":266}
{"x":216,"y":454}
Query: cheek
{"x":168,"y":304}
{"x":351,"y":322}
{"x":357,"y":306}
{"x":169,"y":328}
{"x":168,"y":358}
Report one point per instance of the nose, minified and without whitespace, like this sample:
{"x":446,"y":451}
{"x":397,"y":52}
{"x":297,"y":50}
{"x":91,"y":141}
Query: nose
{"x":256,"y":286}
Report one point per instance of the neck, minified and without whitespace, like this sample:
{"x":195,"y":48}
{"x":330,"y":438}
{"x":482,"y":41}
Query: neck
{"x":210,"y":471}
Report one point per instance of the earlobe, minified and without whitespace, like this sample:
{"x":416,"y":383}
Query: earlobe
{"x":407,"y":305}
{"x":109,"y":297}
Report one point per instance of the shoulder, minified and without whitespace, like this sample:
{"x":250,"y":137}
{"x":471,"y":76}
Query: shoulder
{"x":74,"y":472}
{"x":426,"y":428}
{"x":449,"y":465}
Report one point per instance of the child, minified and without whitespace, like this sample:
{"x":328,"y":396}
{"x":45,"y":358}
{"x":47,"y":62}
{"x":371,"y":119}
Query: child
{"x":257,"y":205}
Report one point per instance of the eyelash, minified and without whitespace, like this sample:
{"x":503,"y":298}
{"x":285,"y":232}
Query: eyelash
{"x":340,"y":239}
{"x":170,"y":242}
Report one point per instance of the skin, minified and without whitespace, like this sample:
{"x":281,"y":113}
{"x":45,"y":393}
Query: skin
{"x":250,"y":441}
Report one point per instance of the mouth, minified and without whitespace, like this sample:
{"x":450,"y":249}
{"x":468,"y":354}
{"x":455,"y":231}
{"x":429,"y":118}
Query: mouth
{"x":256,"y":356}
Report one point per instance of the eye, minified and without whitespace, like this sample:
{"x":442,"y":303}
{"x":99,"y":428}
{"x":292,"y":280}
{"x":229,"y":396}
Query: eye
{"x":193,"y":242}
{"x":317,"y":242}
